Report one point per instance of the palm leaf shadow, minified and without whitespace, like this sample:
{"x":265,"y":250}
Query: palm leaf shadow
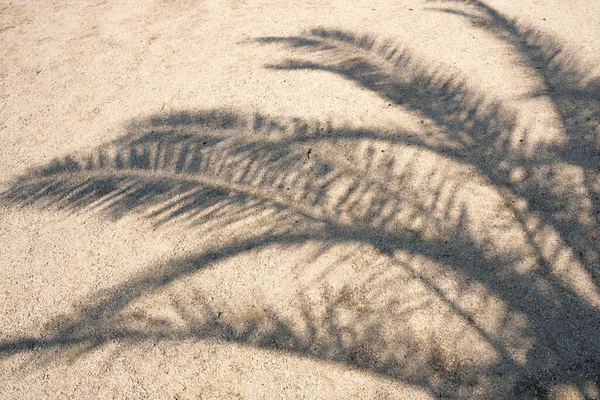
{"x":218,"y":168}
{"x":484,"y":134}
{"x":193,"y":176}
{"x":575,"y":94}
{"x":205,"y":170}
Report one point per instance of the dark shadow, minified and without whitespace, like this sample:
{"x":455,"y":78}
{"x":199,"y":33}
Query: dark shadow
{"x":484,"y":134}
{"x":218,"y":168}
{"x":575,"y":95}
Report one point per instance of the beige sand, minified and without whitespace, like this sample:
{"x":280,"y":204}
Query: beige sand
{"x":321,"y":199}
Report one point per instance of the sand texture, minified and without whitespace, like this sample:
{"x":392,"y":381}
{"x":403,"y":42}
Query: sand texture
{"x":300,"y":200}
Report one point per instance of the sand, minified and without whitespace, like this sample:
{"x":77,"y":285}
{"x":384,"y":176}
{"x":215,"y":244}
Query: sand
{"x":320,"y":199}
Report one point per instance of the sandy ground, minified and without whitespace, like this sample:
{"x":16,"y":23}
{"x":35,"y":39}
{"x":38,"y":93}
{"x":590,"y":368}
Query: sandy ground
{"x":321,"y":199}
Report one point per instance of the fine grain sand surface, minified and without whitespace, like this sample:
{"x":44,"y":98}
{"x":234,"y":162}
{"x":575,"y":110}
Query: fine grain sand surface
{"x":280,"y":199}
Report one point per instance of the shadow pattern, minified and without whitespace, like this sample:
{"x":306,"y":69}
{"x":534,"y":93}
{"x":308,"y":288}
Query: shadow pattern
{"x":409,"y":197}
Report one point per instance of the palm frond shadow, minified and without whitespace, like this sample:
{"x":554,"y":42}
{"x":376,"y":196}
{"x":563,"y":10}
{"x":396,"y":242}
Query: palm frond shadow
{"x":484,"y":135}
{"x":575,"y":94}
{"x":214,"y":175}
{"x":412,"y":203}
